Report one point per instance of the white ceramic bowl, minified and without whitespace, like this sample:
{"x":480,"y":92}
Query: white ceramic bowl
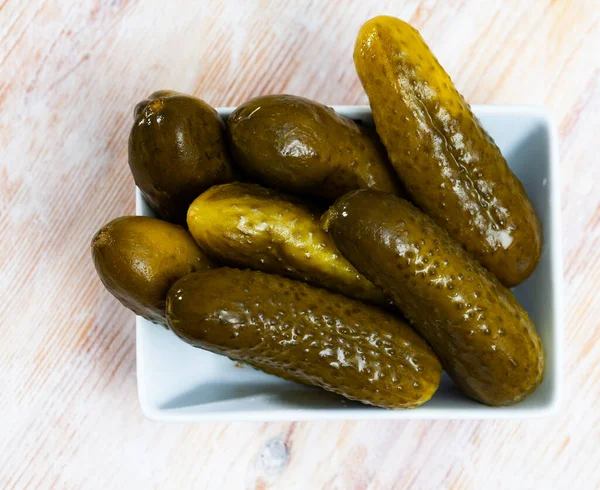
{"x":179,"y":383}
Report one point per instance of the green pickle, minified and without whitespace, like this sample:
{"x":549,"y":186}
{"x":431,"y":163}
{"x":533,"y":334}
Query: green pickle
{"x":305,"y":334}
{"x":246,"y":225}
{"x":483,"y":337}
{"x":450,"y":167}
{"x":139,"y":258}
{"x":177,"y":149}
{"x":300,"y":146}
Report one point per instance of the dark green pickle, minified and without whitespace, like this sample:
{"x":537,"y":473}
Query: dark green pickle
{"x":139,"y":258}
{"x":483,"y":337}
{"x":450,"y":167}
{"x":177,"y":149}
{"x":303,"y":147}
{"x":305,"y":334}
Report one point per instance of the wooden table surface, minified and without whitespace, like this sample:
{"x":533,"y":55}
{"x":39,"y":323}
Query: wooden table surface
{"x":70,"y":74}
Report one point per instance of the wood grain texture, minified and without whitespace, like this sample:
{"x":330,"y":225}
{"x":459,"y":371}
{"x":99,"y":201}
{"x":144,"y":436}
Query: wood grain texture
{"x":70,"y":73}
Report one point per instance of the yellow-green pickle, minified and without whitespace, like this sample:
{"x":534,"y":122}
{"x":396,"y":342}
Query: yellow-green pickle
{"x":305,"y":334}
{"x":483,"y":337}
{"x":450,"y":167}
{"x":139,"y":258}
{"x":303,"y":147}
{"x":246,"y":225}
{"x":177,"y":149}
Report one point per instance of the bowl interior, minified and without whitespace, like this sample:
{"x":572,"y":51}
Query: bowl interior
{"x":177,"y":382}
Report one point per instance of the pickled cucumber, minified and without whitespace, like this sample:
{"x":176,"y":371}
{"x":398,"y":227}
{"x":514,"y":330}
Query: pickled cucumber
{"x":177,"y":149}
{"x":304,"y":334}
{"x":246,"y":225}
{"x":450,"y":167}
{"x":483,"y":337}
{"x":139,"y":258}
{"x":303,"y":147}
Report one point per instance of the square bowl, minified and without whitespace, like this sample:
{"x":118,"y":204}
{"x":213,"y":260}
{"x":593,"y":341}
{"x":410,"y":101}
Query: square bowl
{"x":179,"y":383}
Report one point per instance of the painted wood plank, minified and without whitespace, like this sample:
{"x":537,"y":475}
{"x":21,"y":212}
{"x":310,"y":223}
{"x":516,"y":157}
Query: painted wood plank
{"x":70,"y":73}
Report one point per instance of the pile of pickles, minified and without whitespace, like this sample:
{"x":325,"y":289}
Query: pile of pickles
{"x":359,"y":260}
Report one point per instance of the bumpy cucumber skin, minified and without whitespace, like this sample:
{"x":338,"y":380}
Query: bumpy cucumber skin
{"x":450,"y":167}
{"x":305,"y":334}
{"x":482,"y":335}
{"x":246,"y":225}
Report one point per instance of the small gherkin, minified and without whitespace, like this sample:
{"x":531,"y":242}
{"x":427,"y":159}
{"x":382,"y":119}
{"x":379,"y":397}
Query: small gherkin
{"x":305,"y":334}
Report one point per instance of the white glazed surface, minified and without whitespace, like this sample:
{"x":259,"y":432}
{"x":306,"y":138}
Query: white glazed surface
{"x":179,"y":383}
